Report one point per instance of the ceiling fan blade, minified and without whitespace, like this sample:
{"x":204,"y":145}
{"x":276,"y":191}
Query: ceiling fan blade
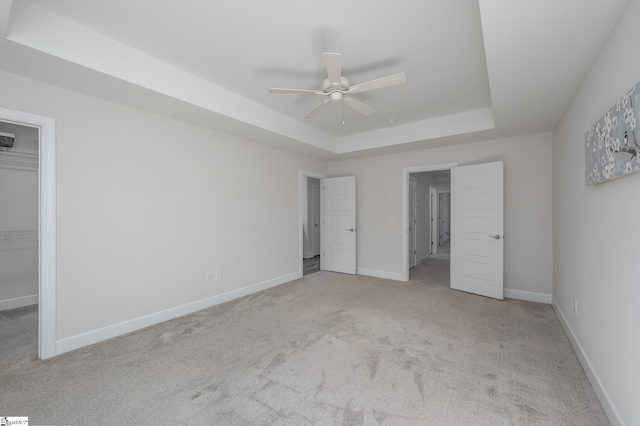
{"x":295,"y":91}
{"x":317,"y":108}
{"x":379,"y":83}
{"x":333,"y":64}
{"x":361,"y":107}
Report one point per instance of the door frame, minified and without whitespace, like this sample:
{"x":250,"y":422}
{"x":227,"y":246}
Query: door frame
{"x":302,"y":210}
{"x":405,"y":208}
{"x":46,"y":224}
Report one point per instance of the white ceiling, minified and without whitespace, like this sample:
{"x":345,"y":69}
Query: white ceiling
{"x":475,"y":69}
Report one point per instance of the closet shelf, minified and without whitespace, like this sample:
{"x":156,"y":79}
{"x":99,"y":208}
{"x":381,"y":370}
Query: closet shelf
{"x":18,"y":152}
{"x":18,"y":159}
{"x":18,"y":233}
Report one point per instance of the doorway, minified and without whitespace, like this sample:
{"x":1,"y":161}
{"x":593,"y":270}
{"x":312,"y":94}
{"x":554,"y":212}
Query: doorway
{"x":46,"y":224}
{"x":424,"y":217}
{"x":311,"y":228}
{"x":309,"y":224}
{"x":18,"y":242}
{"x":424,"y":213}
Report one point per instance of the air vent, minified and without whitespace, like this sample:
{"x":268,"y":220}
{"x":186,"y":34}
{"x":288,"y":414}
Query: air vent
{"x":6,"y":140}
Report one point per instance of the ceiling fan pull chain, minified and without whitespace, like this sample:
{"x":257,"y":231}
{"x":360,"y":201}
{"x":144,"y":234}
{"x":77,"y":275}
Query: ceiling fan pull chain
{"x":342,"y":110}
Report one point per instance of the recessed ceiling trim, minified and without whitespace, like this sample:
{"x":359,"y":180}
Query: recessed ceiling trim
{"x":449,"y":125}
{"x":40,"y":29}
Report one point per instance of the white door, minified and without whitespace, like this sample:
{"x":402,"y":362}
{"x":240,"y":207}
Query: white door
{"x":338,"y":242}
{"x":413,"y":189}
{"x":315,"y":219}
{"x":477,"y":240}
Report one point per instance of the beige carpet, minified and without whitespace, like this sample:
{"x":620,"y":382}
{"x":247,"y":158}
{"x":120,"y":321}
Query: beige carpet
{"x":324,"y":350}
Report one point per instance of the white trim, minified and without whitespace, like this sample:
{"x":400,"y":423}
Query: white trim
{"x":607,"y":403}
{"x":405,"y":209}
{"x":18,"y":302}
{"x":108,"y":332}
{"x":423,"y":258}
{"x":302,"y":207}
{"x":379,"y":274}
{"x":528,"y":295}
{"x":47,"y":225}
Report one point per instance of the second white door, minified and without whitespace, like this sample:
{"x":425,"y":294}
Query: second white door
{"x":338,"y":200}
{"x":477,"y":240}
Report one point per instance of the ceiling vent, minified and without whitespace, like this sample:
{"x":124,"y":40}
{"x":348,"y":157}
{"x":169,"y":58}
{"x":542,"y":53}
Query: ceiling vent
{"x":6,"y":140}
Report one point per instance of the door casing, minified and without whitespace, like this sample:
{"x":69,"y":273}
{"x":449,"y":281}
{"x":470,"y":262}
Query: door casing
{"x":46,"y":225}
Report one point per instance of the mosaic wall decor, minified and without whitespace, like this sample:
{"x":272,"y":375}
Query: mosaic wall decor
{"x":612,"y":143}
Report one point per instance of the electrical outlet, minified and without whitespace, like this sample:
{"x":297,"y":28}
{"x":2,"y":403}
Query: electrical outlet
{"x":209,"y":277}
{"x":218,"y":275}
{"x":575,"y":306}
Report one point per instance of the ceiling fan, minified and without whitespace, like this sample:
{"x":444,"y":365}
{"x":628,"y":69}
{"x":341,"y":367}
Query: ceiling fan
{"x":336,"y":87}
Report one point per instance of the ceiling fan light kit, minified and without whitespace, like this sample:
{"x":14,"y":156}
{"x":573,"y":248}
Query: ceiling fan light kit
{"x":336,"y":87}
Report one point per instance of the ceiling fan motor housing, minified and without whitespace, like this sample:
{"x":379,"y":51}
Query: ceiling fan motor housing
{"x":328,"y":88}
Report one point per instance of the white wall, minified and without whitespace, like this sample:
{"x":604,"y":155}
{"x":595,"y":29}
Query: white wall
{"x":596,"y":234}
{"x":444,"y":184}
{"x":19,"y":212}
{"x":444,"y":217}
{"x":527,"y":171}
{"x":147,"y":205}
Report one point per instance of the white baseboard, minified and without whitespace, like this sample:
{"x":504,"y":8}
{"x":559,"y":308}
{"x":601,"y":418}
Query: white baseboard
{"x":607,"y":404}
{"x":94,"y":336}
{"x":379,"y":274}
{"x":527,"y":295}
{"x":423,"y":258}
{"x":18,"y":302}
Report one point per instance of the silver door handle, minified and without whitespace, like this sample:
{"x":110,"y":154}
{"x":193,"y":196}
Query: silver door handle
{"x":497,"y":237}
{"x":350,"y":229}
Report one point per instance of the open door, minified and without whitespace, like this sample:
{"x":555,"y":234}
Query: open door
{"x":477,"y":240}
{"x":338,"y":200}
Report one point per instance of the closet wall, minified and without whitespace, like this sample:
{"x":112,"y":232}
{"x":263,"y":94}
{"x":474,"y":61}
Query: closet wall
{"x":19,"y":218}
